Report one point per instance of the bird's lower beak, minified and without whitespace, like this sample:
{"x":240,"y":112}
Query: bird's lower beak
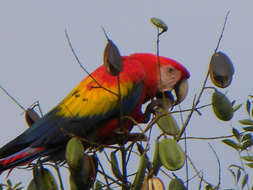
{"x":175,"y":96}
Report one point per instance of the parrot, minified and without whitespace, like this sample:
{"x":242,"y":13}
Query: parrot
{"x":91,"y":110}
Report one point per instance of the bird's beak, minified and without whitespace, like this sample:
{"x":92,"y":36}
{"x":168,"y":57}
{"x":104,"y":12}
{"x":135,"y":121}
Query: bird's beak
{"x":181,"y":90}
{"x":176,"y":95}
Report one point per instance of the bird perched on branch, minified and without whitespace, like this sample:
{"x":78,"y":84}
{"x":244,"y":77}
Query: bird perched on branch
{"x":92,"y":110}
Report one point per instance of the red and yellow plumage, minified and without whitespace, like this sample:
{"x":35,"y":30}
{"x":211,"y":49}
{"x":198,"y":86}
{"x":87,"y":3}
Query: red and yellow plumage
{"x":90,"y":111}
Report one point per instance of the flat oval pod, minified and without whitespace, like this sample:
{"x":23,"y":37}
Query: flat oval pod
{"x":84,"y":177}
{"x":79,"y":179}
{"x":155,"y":183}
{"x":222,"y":107}
{"x":176,"y":184}
{"x":159,"y":23}
{"x":221,"y":70}
{"x":115,"y":166}
{"x":171,"y":155}
{"x":112,"y":58}
{"x":49,"y":179}
{"x":74,"y":153}
{"x":167,"y":123}
{"x":139,"y":177}
{"x":43,"y":179}
{"x":156,"y":164}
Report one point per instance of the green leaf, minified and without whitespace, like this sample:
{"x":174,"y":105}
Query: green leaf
{"x":238,"y":175}
{"x":115,"y":166}
{"x":176,"y":184}
{"x":209,"y":187}
{"x":231,"y":143}
{"x":235,"y":166}
{"x":156,"y":159}
{"x":222,"y":106}
{"x":246,"y":144}
{"x":246,"y":137}
{"x":168,"y":124}
{"x":237,"y":107}
{"x":250,"y":165}
{"x":246,"y":122}
{"x":248,"y":107}
{"x":98,"y":185}
{"x":9,"y":183}
{"x":159,"y":24}
{"x":248,"y":128}
{"x":139,"y":177}
{"x":245,"y":180}
{"x":74,"y":153}
{"x":171,"y":155}
{"x":236,"y":134}
{"x":232,"y":172}
{"x":247,"y":158}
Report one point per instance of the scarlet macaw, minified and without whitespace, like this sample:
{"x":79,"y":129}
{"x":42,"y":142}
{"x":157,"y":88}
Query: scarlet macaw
{"x":92,"y":113}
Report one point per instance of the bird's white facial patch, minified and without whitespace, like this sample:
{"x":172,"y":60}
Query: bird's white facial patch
{"x":169,"y":77}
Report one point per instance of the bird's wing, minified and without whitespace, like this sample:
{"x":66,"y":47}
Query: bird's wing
{"x":87,"y":106}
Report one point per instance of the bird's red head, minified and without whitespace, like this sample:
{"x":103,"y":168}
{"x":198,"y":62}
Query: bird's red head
{"x":172,"y":75}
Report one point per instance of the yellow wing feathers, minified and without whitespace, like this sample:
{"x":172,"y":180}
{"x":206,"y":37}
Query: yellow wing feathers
{"x":88,"y":99}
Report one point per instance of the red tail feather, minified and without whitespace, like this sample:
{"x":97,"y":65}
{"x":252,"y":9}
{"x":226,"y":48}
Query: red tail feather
{"x":19,"y":158}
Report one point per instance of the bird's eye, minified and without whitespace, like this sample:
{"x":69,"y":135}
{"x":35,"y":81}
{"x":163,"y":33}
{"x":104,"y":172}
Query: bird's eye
{"x":170,"y":69}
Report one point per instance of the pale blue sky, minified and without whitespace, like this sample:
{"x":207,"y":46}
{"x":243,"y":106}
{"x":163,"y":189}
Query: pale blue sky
{"x":36,"y":63}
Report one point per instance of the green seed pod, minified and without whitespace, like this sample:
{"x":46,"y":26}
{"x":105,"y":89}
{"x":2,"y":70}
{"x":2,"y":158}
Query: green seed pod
{"x":159,"y":24}
{"x":176,"y":184}
{"x":156,"y":164}
{"x":43,"y":179}
{"x":115,"y":166}
{"x":222,"y":107}
{"x":84,"y":177}
{"x":167,"y":123}
{"x":171,"y":155}
{"x":139,"y":177}
{"x":74,"y":153}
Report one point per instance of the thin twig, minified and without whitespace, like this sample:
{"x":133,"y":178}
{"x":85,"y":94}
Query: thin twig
{"x":82,"y":67}
{"x":59,"y":177}
{"x":196,"y":170}
{"x":185,"y":147}
{"x":109,"y":177}
{"x":219,"y":166}
{"x":124,"y":167}
{"x":193,"y":107}
{"x":12,"y":98}
{"x":223,"y":28}
{"x":202,"y":88}
{"x":206,"y":138}
{"x":104,"y":174}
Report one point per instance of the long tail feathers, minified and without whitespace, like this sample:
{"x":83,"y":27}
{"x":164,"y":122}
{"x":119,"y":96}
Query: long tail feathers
{"x":20,"y":158}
